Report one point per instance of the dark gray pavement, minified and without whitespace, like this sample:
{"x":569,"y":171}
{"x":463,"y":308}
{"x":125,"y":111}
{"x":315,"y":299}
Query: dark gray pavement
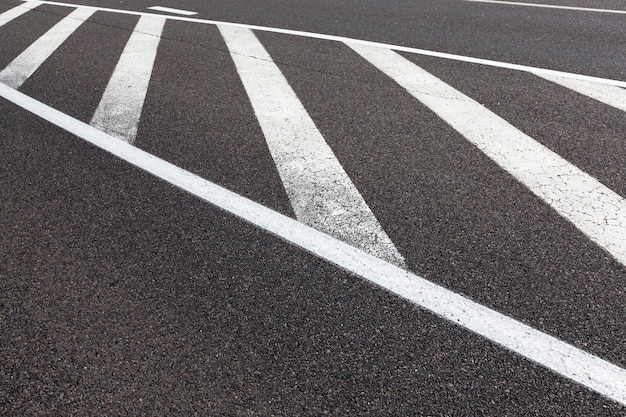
{"x":121,"y":295}
{"x":573,"y":41}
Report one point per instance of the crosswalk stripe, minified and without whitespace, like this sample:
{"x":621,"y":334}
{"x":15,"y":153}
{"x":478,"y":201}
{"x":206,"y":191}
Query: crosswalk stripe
{"x":321,"y":193}
{"x":120,"y":108}
{"x":22,"y":67}
{"x":16,"y":12}
{"x":593,"y":208}
{"x":607,"y":94}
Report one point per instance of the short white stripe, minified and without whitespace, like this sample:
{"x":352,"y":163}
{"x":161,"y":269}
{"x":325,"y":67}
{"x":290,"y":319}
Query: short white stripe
{"x":425,"y":52}
{"x":607,"y":94}
{"x":321,"y":193}
{"x":16,"y":12}
{"x":22,"y":67}
{"x":593,"y":208}
{"x":573,"y":363}
{"x":550,"y":6}
{"x":170,"y":10}
{"x":121,"y":105}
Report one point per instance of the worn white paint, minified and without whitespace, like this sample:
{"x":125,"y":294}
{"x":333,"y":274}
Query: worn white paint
{"x":321,"y":193}
{"x":607,"y":94}
{"x":597,"y":211}
{"x":548,"y":351}
{"x":22,"y":67}
{"x":121,"y":104}
{"x":16,"y":12}
{"x":171,"y":10}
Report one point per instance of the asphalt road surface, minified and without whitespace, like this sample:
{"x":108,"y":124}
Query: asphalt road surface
{"x":261,"y":208}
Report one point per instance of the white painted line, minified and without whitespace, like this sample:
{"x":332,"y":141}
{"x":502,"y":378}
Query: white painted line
{"x":593,"y":208}
{"x":550,"y":6}
{"x":607,"y":94}
{"x":570,"y":362}
{"x":16,"y":12}
{"x":121,"y":105}
{"x":170,"y":10}
{"x":417,"y":51}
{"x":22,"y":67}
{"x":321,"y":193}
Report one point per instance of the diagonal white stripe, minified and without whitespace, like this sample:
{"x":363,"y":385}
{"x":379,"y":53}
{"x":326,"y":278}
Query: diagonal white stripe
{"x":22,"y":67}
{"x":321,"y":193}
{"x":171,"y":10}
{"x":121,"y":105}
{"x":573,"y":363}
{"x":607,"y":94}
{"x":593,"y":208}
{"x":16,"y":12}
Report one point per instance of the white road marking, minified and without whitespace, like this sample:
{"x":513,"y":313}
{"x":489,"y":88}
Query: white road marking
{"x":550,"y":6}
{"x":417,"y":51}
{"x":22,"y":67}
{"x":321,"y":193}
{"x":607,"y":94}
{"x":593,"y":208}
{"x":16,"y":12}
{"x":570,"y":362}
{"x":121,"y":104}
{"x":170,"y":10}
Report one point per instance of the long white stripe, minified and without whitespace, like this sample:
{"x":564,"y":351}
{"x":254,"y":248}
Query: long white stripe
{"x":573,"y":363}
{"x":22,"y":67}
{"x":398,"y":48}
{"x":593,"y":208}
{"x":171,"y":10}
{"x":121,"y":105}
{"x":16,"y":12}
{"x":321,"y":193}
{"x":607,"y":94}
{"x":550,"y":6}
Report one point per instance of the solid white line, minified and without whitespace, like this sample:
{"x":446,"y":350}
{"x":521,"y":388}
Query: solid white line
{"x":454,"y":57}
{"x":607,"y":94}
{"x":22,"y":67}
{"x":593,"y":208}
{"x":17,"y":11}
{"x":321,"y":193}
{"x":120,"y":108}
{"x":170,"y":10}
{"x":550,"y":6}
{"x":572,"y":363}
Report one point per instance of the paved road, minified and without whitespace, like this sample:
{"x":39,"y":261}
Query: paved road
{"x":133,"y":283}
